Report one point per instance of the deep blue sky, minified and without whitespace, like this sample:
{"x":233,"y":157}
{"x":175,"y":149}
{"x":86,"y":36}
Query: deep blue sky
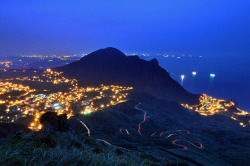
{"x":198,"y":27}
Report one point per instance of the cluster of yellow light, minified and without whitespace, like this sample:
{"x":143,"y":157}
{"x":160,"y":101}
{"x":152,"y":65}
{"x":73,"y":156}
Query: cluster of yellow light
{"x":8,"y":86}
{"x":32,"y":104}
{"x":210,"y":106}
{"x":6,"y":63}
{"x":49,"y":76}
{"x":63,"y":57}
{"x":241,"y":112}
{"x":4,"y":70}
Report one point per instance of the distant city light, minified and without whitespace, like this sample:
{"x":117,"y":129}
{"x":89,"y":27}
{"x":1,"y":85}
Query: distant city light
{"x":194,"y":73}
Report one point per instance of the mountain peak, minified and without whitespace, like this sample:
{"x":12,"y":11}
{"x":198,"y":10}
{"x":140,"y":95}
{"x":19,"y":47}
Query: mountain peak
{"x":110,"y":66}
{"x":109,"y":52}
{"x":154,"y":61}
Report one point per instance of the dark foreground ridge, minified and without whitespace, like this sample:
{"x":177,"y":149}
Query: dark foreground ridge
{"x":111,"y":66}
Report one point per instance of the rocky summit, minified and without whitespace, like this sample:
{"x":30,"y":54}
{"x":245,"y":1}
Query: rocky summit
{"x":111,"y":66}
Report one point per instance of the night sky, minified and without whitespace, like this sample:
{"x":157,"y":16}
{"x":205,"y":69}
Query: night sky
{"x":198,"y":27}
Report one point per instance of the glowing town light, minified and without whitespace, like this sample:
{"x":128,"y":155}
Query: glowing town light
{"x":194,"y":73}
{"x":87,"y":112}
{"x":59,"y":101}
{"x":212,"y":75}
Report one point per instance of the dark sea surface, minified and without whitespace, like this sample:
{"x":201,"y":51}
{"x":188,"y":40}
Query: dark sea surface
{"x":231,"y":81}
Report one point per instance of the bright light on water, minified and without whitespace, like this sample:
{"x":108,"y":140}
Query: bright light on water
{"x":194,"y":73}
{"x":212,"y":75}
{"x":182,"y":77}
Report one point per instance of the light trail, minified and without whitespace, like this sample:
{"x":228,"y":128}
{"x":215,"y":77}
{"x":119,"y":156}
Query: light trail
{"x":174,"y":143}
{"x":121,"y":131}
{"x":127,"y":131}
{"x":106,"y":142}
{"x":171,"y":135}
{"x":185,"y":139}
{"x":144,"y":119}
{"x":137,"y":108}
{"x":163,"y":133}
{"x":185,"y":147}
{"x":183,"y":130}
{"x":102,"y":140}
{"x":175,"y":133}
{"x":85,"y":126}
{"x":153,"y":134}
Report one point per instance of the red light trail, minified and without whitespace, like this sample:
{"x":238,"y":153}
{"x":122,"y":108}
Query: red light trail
{"x":170,"y":134}
{"x":144,"y":119}
{"x":185,"y":147}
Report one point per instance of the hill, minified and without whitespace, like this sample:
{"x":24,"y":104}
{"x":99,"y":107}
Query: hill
{"x":111,"y":66}
{"x":162,"y":128}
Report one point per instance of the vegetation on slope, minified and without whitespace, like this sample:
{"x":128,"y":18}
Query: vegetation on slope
{"x":64,"y":149}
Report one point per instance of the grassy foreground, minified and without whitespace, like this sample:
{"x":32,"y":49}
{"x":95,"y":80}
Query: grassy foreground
{"x":64,"y":149}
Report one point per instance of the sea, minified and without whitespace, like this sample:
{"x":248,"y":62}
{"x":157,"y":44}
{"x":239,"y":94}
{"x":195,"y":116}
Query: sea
{"x":220,"y":77}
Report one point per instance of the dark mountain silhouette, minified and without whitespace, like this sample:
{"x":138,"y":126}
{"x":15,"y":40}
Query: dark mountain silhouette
{"x":111,"y":66}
